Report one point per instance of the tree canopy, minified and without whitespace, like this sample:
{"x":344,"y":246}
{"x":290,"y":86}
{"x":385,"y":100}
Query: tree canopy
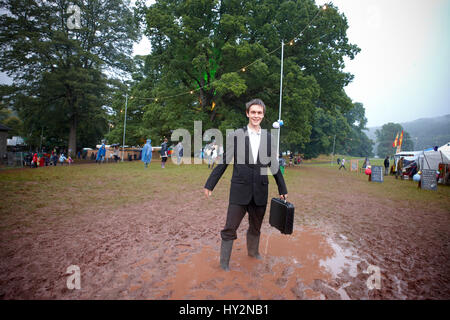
{"x":386,"y":136}
{"x":208,"y":58}
{"x":62,"y":74}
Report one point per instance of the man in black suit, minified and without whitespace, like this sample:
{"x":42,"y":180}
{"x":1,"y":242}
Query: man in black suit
{"x":254,"y":152}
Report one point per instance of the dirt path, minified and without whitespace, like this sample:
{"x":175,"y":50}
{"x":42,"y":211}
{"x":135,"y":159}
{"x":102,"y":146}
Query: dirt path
{"x":169,"y":249}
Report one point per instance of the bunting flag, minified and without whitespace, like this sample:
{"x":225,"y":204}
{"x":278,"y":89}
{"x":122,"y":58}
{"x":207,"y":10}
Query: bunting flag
{"x":395,"y":143}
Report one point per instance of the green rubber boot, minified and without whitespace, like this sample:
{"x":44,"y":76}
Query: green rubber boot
{"x":225,"y":254}
{"x":253,"y":246}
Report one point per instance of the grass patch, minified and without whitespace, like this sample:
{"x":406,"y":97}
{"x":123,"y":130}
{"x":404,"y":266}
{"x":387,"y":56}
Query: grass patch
{"x":79,"y":189}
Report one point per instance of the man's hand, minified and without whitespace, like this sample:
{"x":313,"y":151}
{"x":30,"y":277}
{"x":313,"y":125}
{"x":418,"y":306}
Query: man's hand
{"x":207,"y":192}
{"x":283,"y":196}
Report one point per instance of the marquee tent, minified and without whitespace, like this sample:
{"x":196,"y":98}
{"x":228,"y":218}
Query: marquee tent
{"x":431,"y":159}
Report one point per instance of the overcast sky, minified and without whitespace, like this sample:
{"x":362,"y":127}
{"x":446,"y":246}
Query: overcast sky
{"x":403,"y":70}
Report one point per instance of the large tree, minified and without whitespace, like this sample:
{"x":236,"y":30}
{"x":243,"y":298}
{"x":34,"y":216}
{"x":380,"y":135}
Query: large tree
{"x":61,"y":70}
{"x":7,"y":116}
{"x":357,"y":143}
{"x":209,"y":57}
{"x":329,"y":134}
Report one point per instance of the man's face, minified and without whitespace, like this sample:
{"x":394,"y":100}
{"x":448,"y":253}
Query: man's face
{"x":255,"y":114}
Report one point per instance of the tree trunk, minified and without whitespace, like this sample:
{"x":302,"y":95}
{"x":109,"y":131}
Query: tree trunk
{"x":73,"y":137}
{"x":213,"y":115}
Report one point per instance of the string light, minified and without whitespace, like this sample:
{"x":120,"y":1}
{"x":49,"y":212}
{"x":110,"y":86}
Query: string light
{"x":243,"y":69}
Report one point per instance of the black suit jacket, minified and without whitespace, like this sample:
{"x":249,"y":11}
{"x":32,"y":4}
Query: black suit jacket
{"x":249,"y":179}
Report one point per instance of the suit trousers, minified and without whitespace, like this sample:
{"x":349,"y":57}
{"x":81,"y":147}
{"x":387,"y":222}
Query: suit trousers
{"x":235,"y":215}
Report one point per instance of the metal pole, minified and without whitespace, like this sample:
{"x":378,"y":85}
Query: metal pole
{"x":281,"y":94}
{"x":124,"y":125}
{"x":334,"y":143}
{"x":40,"y":144}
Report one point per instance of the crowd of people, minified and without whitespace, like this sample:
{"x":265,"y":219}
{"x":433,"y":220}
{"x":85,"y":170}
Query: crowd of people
{"x":210,"y":154}
{"x":44,"y":159}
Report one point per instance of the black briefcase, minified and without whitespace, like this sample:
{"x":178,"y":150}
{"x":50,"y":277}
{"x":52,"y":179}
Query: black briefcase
{"x":282,"y":215}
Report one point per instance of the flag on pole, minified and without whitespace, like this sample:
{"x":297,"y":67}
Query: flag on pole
{"x":401,"y":139}
{"x":395,"y":143}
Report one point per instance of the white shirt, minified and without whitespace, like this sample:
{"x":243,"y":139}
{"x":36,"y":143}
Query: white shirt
{"x":255,"y":139}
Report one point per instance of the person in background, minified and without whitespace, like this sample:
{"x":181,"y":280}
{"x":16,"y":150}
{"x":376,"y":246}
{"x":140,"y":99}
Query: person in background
{"x":101,"y":153}
{"x":366,"y":163}
{"x":213,"y":156}
{"x":35,"y":160}
{"x":116,"y":154}
{"x":399,"y":171}
{"x":179,"y":151}
{"x":386,"y":166}
{"x":55,"y":159}
{"x":299,"y":159}
{"x":209,"y":149}
{"x":62,"y":158}
{"x":342,"y":164}
{"x":164,"y":153}
{"x":281,"y":163}
{"x":147,"y":153}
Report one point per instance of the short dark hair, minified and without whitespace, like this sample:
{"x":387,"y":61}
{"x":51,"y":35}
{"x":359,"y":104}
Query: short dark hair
{"x":254,"y":102}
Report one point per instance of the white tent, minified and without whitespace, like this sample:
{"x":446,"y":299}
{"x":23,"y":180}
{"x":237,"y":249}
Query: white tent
{"x":431,"y":159}
{"x":408,"y":155}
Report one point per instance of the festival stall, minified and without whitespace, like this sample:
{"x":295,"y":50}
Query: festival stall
{"x":437,"y":159}
{"x":410,"y":159}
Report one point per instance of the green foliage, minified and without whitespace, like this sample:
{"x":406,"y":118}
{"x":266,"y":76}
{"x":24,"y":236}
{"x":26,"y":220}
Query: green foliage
{"x":386,"y":136}
{"x":195,"y":71}
{"x":202,"y":46}
{"x":230,"y":83}
{"x":8,"y":117}
{"x":357,"y":143}
{"x":322,"y":142}
{"x":339,"y":133}
{"x":61,"y":86}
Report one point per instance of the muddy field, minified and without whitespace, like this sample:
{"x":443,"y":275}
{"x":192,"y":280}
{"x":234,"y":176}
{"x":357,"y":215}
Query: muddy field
{"x":353,"y":239}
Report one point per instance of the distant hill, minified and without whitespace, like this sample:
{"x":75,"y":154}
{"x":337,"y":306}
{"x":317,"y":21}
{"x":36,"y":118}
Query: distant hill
{"x":424,"y":132}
